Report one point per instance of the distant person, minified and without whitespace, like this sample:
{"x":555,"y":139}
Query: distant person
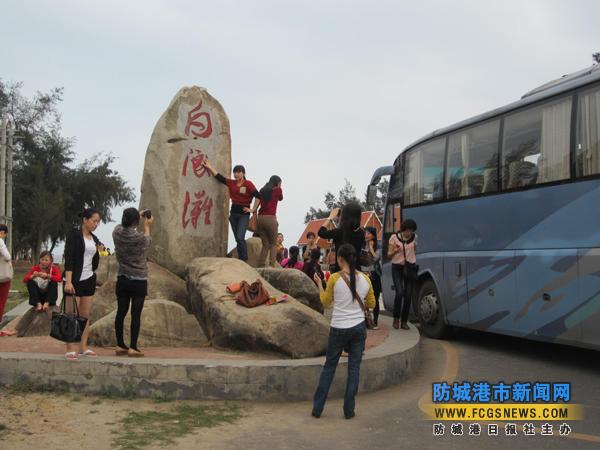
{"x":267,"y":225}
{"x":348,"y":328}
{"x":370,"y":265}
{"x":312,"y":267}
{"x":347,"y":232}
{"x":311,"y":244}
{"x":403,"y":250}
{"x":132,"y":278}
{"x":5,"y":269}
{"x":241,"y":192}
{"x":82,"y":255}
{"x":282,"y":252}
{"x":42,"y":283}
{"x":293,"y":262}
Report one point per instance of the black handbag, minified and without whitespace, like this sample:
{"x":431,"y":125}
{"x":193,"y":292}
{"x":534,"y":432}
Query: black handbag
{"x":410,"y":271}
{"x":67,"y":327}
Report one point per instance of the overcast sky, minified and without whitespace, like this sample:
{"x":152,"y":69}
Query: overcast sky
{"x":316,"y":91}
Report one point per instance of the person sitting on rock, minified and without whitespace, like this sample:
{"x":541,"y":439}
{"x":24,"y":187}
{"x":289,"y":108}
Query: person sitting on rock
{"x":42,"y":282}
{"x":241,"y":192}
{"x":293,"y":262}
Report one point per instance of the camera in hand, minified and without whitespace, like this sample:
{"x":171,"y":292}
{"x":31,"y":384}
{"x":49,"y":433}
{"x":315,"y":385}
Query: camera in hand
{"x":147,"y":214}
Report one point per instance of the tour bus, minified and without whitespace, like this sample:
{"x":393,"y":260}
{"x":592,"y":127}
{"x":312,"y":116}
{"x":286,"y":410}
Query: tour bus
{"x":508,"y":211}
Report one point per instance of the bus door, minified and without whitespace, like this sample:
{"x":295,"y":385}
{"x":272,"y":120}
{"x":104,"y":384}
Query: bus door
{"x":455,"y":289}
{"x":492,"y":291}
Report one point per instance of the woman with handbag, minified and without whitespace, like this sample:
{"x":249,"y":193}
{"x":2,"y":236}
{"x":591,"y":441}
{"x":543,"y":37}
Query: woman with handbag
{"x":81,"y":261}
{"x":42,"y":283}
{"x":6,"y":271}
{"x":370,"y":264}
{"x":132,"y":277}
{"x":266,"y":221}
{"x":241,"y":192}
{"x":403,"y":250}
{"x":352,"y":295}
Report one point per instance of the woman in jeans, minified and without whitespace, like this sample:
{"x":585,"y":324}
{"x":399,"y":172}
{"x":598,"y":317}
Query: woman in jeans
{"x":81,"y":262}
{"x":403,"y":248}
{"x":348,"y":329}
{"x":132,"y":279}
{"x":266,"y":222}
{"x":241,"y":192}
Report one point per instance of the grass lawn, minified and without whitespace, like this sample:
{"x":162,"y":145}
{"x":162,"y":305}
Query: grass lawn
{"x":14,"y":298}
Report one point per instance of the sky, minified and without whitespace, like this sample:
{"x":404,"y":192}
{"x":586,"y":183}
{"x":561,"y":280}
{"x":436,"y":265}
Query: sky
{"x":316,"y":91}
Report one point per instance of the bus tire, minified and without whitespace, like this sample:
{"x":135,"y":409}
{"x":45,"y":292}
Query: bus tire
{"x":430,"y":311}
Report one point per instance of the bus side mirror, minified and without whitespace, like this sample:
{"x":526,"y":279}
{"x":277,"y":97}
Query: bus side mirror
{"x":371,"y":194}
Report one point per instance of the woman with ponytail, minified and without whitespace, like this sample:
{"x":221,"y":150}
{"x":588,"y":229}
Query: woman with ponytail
{"x":293,"y":262}
{"x":347,"y":289}
{"x":266,"y":222}
{"x":81,"y":261}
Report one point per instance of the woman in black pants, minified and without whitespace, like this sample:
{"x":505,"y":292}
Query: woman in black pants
{"x":370,"y":264}
{"x":132,"y":280}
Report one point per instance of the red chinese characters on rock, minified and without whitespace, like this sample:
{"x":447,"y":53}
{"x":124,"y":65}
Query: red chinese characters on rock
{"x":202,"y":204}
{"x":196,"y":157}
{"x":199,"y":123}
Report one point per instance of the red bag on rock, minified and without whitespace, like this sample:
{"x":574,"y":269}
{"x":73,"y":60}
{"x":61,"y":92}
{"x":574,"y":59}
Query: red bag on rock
{"x":252,"y":295}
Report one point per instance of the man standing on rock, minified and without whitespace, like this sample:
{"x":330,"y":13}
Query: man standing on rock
{"x":241,"y":192}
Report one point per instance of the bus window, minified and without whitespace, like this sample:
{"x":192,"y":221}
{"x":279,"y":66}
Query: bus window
{"x":588,"y":134}
{"x":535,"y":146}
{"x":424,"y":175}
{"x":473,"y":161}
{"x":392,"y":218}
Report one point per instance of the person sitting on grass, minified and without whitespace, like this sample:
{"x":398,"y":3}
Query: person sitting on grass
{"x":42,"y":283}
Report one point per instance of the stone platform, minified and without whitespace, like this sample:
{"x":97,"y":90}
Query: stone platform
{"x":207,"y":374}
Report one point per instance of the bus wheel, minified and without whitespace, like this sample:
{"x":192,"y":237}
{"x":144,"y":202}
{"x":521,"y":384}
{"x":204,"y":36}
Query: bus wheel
{"x":430,"y":311}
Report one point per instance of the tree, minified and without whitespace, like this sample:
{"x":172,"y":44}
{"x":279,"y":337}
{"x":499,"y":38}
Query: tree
{"x":49,"y":189}
{"x":348,"y":194}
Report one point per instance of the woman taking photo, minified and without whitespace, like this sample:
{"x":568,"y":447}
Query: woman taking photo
{"x":132,"y":277}
{"x":403,"y":250}
{"x":266,"y":222}
{"x":370,"y":265}
{"x":81,"y":262}
{"x":351,"y":292}
{"x":241,"y":192}
{"x":42,"y":283}
{"x":348,"y":231}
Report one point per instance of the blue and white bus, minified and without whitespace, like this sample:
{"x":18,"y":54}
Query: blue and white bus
{"x":508,"y":211}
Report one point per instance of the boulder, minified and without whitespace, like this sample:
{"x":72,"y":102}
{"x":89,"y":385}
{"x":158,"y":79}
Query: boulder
{"x":107,"y":269}
{"x":295,"y":283}
{"x":162,"y":284}
{"x":164,"y":324}
{"x":288,"y":328}
{"x":254,"y":249}
{"x":34,"y":323}
{"x":190,"y":207}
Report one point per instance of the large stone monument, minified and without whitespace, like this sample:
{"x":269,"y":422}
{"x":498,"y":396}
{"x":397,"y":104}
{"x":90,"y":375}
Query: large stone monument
{"x":191,"y":208}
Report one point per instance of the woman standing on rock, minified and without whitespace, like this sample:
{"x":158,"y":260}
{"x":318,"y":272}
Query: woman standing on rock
{"x":81,"y":262}
{"x":347,"y":289}
{"x":132,"y":278}
{"x":267,"y":225}
{"x":241,"y":192}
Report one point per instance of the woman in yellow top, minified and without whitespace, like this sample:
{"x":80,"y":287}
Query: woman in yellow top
{"x":348,"y":329}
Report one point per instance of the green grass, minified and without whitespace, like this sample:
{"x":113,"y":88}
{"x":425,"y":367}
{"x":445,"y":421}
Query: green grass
{"x":14,"y":298}
{"x":140,"y":429}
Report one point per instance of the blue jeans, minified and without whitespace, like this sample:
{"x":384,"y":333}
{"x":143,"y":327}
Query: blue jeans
{"x":239,"y":225}
{"x":353,"y":341}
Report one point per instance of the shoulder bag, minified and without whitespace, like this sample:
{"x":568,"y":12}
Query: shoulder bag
{"x":6,"y":271}
{"x":368,"y":318}
{"x":67,"y":327}
{"x":252,"y":295}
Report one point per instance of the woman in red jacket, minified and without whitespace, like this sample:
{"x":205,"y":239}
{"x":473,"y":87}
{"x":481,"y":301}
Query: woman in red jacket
{"x":42,"y":283}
